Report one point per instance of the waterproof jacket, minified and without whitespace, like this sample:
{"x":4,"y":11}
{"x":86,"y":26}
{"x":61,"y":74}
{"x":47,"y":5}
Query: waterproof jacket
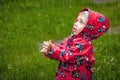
{"x":75,"y":53}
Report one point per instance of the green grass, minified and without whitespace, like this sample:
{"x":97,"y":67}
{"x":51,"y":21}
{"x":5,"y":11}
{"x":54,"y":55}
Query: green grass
{"x":107,"y":57}
{"x":26,"y":23}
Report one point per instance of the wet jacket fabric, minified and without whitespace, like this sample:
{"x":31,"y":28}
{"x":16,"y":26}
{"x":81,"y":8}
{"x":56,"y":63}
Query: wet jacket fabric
{"x":75,"y":53}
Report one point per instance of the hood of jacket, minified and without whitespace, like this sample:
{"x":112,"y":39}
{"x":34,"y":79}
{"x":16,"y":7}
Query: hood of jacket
{"x":96,"y":26}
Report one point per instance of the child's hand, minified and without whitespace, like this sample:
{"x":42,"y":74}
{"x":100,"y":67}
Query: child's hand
{"x":47,"y":46}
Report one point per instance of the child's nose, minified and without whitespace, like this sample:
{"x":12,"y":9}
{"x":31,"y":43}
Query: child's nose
{"x":76,"y":23}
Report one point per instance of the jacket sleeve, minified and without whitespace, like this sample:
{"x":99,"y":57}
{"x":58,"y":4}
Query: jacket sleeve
{"x":57,"y":51}
{"x":79,"y":50}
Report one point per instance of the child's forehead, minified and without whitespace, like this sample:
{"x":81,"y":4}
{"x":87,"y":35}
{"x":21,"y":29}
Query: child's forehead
{"x":82,"y":14}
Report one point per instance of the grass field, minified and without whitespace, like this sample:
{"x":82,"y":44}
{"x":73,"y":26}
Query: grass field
{"x":26,"y":23}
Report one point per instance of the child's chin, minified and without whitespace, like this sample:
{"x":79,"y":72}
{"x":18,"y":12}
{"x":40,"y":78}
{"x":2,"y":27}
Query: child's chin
{"x":75,"y":33}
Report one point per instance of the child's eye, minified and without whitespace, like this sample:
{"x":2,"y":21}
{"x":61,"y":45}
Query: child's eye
{"x":81,"y":22}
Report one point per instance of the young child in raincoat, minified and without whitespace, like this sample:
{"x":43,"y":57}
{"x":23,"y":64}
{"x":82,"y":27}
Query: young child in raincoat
{"x":76,"y":54}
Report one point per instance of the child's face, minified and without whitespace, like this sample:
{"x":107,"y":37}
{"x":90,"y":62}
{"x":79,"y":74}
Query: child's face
{"x":80,"y":23}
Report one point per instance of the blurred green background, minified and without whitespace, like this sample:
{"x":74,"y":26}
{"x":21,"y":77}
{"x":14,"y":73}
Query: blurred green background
{"x":26,"y":23}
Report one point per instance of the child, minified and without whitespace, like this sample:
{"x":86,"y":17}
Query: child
{"x":76,"y":54}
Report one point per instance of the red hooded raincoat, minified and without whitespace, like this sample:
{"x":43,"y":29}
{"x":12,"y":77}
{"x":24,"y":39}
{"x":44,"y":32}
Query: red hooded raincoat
{"x":76,"y":54}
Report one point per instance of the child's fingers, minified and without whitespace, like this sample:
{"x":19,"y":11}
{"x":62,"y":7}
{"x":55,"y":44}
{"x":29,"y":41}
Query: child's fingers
{"x":46,"y":43}
{"x":44,"y":46}
{"x":50,"y":43}
{"x":43,"y":50}
{"x":47,"y":46}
